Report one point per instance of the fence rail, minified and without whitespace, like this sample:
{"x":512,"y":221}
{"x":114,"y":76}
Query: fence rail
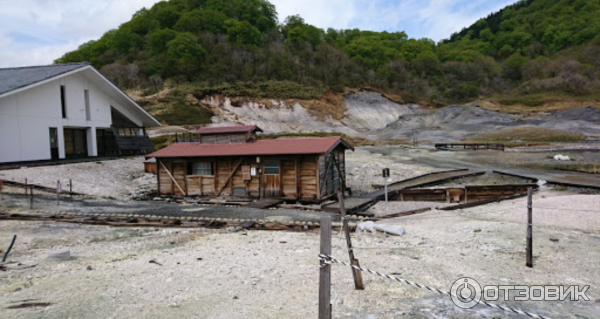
{"x":469,"y":146}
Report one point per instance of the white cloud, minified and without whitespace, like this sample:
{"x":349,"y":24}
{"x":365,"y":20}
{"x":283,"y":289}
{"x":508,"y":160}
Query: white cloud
{"x":335,"y":14}
{"x":34,"y":32}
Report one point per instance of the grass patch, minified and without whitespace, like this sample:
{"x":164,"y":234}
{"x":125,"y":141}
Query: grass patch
{"x":162,"y":141}
{"x":179,"y":113}
{"x":543,"y":102}
{"x":526,"y":136}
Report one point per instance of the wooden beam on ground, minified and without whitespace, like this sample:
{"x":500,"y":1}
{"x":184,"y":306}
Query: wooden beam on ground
{"x":230,"y":176}
{"x":172,"y":178}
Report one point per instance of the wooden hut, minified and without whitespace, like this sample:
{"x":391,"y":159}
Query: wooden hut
{"x":231,"y":162}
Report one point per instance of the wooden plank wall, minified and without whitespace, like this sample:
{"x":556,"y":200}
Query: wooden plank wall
{"x":289,"y":178}
{"x":166,"y":184}
{"x":224,"y":138}
{"x":223,"y":169}
{"x":200,"y":185}
{"x":309,"y":181}
{"x":298,"y":177}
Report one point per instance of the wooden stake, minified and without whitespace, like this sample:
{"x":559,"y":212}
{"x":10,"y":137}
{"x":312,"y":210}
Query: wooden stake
{"x":57,"y":193}
{"x":325,"y":271}
{"x":26,"y":187}
{"x":358,"y":282}
{"x":9,"y":248}
{"x":30,"y":197}
{"x":71,"y":189}
{"x":529,"y":229}
{"x":1,"y":186}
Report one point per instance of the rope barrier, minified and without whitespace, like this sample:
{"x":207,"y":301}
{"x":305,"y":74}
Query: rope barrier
{"x":330,"y":260}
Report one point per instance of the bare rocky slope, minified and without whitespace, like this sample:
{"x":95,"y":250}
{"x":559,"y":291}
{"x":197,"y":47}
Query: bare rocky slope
{"x":371,"y":115}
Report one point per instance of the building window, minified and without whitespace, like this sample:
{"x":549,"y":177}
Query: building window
{"x":272,"y":167}
{"x":88,"y":114}
{"x":204,"y":169}
{"x":63,"y":101}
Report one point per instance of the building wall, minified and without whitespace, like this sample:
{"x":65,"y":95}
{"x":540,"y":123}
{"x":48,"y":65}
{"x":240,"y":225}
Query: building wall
{"x":298,"y":178}
{"x":26,"y":116}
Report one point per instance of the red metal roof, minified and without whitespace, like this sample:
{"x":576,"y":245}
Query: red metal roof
{"x":318,"y":145}
{"x":228,"y":129}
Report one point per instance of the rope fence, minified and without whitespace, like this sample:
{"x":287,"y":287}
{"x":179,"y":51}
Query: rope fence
{"x":330,"y":260}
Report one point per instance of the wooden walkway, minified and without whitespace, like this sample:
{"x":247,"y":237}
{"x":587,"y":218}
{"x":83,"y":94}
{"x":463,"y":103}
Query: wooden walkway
{"x":351,"y":204}
{"x":265,"y":203}
{"x":430,"y":179}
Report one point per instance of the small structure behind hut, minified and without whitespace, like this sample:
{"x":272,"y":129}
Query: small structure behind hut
{"x":232,"y":162}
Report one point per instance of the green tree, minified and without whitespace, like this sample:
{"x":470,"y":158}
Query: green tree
{"x":513,"y":66}
{"x":187,"y":53}
{"x":167,"y":17}
{"x":159,"y":39}
{"x":243,"y":33}
{"x":197,"y":21}
{"x":126,"y":41}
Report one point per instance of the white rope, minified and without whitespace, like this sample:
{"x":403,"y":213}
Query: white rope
{"x":330,"y":260}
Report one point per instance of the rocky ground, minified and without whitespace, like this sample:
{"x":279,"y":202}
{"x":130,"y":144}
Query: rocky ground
{"x":120,"y":179}
{"x":203,"y":273}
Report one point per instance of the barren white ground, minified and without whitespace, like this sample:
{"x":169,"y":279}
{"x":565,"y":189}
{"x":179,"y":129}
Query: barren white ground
{"x":269,"y":274}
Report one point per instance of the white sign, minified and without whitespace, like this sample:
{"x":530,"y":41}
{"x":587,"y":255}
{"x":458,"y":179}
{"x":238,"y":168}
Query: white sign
{"x":253,"y":171}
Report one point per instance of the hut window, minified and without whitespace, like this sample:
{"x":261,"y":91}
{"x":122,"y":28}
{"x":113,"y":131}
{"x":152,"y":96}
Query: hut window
{"x":272,"y":167}
{"x":200,"y":169}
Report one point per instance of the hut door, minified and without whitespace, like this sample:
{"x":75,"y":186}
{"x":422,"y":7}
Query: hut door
{"x":272,"y":179}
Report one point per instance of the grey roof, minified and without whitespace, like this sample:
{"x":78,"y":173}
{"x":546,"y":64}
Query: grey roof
{"x":15,"y":78}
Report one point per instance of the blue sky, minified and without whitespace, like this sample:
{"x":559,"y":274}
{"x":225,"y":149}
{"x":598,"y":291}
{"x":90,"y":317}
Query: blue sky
{"x":35,"y":32}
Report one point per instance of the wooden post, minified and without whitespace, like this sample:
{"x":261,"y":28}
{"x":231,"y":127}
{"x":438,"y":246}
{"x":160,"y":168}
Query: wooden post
{"x":9,"y":248}
{"x":26,"y":187}
{"x":31,"y":197}
{"x":529,"y":229}
{"x":57,"y":193}
{"x":325,"y":271}
{"x":358,"y":282}
{"x":1,"y":186}
{"x":71,"y":189}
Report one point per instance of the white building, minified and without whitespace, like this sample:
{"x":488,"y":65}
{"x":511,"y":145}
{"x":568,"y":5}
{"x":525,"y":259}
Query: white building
{"x":67,"y":111}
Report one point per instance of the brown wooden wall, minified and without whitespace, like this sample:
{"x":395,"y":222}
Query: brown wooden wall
{"x":224,"y":138}
{"x":298,"y":177}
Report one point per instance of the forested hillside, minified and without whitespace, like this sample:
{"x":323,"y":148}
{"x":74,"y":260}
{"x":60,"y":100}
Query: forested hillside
{"x":531,"y":51}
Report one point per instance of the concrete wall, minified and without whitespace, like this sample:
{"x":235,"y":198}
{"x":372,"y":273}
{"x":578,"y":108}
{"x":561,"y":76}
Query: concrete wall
{"x":26,"y":116}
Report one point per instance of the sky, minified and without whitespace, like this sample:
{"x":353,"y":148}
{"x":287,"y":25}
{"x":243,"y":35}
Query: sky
{"x":36,"y":32}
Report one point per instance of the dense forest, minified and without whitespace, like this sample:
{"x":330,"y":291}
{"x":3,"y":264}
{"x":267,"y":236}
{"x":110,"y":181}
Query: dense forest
{"x":240,"y":47}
